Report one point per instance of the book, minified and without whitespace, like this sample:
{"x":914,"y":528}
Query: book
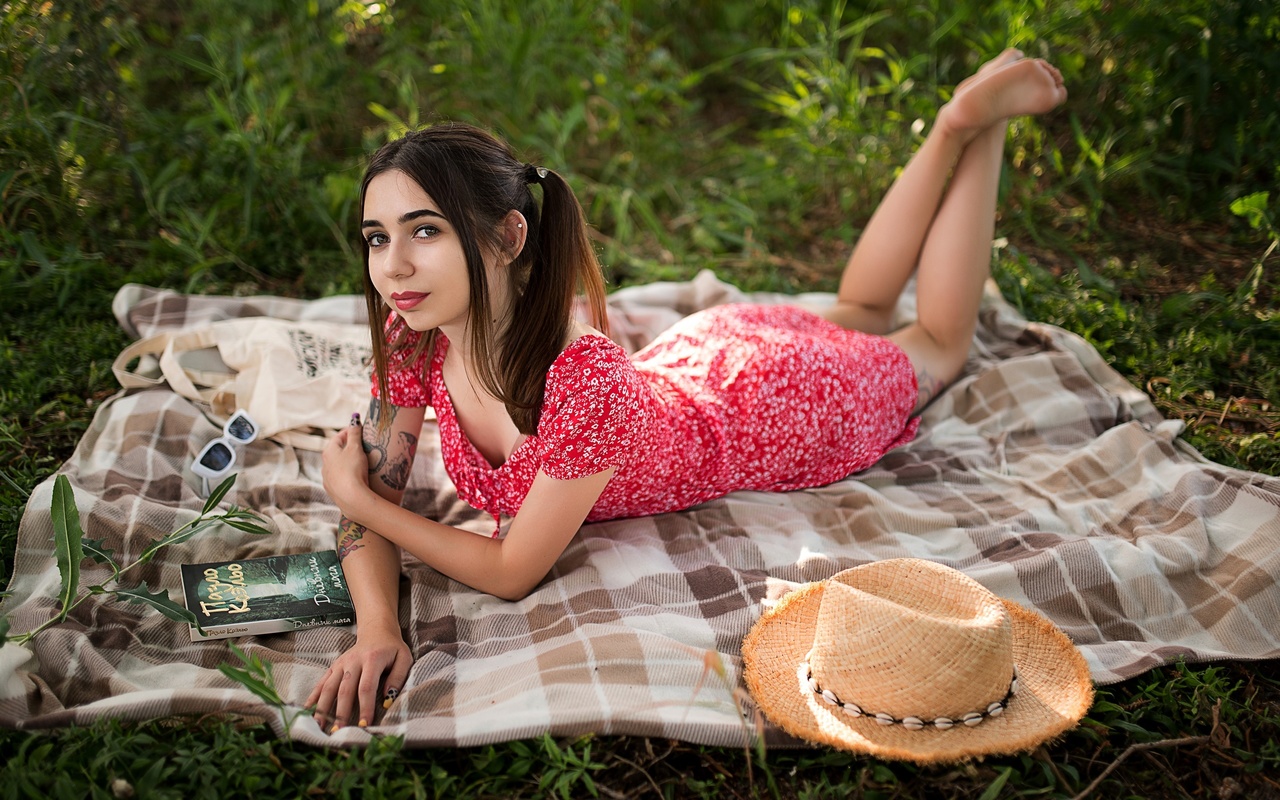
{"x":267,"y":595}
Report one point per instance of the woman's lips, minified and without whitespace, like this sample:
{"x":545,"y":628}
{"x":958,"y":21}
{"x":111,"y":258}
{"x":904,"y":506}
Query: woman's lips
{"x":407,"y":300}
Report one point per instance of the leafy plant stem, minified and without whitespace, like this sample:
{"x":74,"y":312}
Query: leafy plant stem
{"x":71,"y":546}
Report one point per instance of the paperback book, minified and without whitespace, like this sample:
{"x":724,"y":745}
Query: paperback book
{"x":267,"y":595}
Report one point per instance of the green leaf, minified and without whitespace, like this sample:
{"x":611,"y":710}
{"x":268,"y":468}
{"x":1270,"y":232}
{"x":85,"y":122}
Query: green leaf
{"x":101,"y":554}
{"x":196,"y":64}
{"x":4,"y":630}
{"x":157,"y":600}
{"x":217,"y":494}
{"x":246,"y":526}
{"x":259,"y":687}
{"x":993,"y":791}
{"x":397,"y":125}
{"x":177,"y":537}
{"x":1105,"y":706}
{"x":1252,"y":207}
{"x":882,"y":774}
{"x":257,"y":678}
{"x":67,"y":538}
{"x":97,"y":550}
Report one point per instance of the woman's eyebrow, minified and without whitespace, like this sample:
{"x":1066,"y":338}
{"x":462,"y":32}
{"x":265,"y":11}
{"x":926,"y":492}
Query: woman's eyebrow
{"x":406,"y":217}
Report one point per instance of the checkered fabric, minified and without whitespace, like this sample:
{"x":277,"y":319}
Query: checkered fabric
{"x":1041,"y":473}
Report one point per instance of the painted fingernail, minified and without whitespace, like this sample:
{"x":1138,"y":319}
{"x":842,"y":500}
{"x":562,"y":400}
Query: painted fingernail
{"x":335,"y":727}
{"x":364,"y":723}
{"x":355,"y":418}
{"x":392,"y":694}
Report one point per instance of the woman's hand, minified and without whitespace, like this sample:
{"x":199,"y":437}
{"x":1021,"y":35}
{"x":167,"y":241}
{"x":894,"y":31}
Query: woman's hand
{"x":378,"y":657}
{"x":345,"y":470}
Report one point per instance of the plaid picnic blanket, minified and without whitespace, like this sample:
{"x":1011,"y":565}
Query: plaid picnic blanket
{"x":1041,"y":473}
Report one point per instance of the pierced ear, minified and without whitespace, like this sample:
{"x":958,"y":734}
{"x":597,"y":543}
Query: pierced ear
{"x":515,"y":230}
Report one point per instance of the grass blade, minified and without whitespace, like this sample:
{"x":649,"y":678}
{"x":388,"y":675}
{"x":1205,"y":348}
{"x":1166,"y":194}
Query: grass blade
{"x":993,"y":791}
{"x":258,"y":677}
{"x":67,"y":538}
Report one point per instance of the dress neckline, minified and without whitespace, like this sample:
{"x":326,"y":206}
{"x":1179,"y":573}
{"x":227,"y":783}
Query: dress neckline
{"x":478,"y":459}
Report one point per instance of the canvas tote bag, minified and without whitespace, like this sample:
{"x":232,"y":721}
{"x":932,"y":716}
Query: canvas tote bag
{"x":298,"y":380}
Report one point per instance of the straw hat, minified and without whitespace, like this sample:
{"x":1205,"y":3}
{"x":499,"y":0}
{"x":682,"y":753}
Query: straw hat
{"x":906,"y":659}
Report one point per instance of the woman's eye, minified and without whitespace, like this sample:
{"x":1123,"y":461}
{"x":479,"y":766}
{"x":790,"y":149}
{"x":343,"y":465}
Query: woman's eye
{"x":425,"y":231}
{"x":377,"y":239}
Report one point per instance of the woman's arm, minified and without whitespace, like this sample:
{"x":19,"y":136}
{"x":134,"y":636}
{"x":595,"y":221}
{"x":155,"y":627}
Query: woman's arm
{"x":551,"y":514}
{"x":509,"y":568}
{"x":371,"y":565}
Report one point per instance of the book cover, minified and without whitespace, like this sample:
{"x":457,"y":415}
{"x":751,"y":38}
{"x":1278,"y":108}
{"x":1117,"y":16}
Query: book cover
{"x":267,"y":595}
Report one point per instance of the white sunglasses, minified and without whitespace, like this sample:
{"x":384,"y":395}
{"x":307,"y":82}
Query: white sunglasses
{"x":218,"y":456}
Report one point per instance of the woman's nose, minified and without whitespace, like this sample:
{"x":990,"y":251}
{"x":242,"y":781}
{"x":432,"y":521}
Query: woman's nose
{"x":397,"y":263}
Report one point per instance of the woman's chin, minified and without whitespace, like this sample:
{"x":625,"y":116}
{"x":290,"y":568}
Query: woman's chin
{"x":416,"y":320}
{"x":417,"y":323}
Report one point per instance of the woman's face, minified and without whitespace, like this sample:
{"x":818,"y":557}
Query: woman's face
{"x":415,"y":257}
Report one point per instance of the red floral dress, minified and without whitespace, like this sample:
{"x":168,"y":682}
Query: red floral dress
{"x":764,"y":397}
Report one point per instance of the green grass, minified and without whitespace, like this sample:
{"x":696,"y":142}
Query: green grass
{"x":218,"y":147}
{"x":1236,"y":737}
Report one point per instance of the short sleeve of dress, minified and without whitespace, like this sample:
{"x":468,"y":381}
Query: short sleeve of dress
{"x":408,"y":385}
{"x":593,"y":414}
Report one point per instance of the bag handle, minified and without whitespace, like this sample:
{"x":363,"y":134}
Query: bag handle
{"x":167,"y":346}
{"x":150,"y":346}
{"x":300,"y":440}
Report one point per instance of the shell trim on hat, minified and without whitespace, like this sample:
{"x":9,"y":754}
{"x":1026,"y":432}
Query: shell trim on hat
{"x":810,"y":684}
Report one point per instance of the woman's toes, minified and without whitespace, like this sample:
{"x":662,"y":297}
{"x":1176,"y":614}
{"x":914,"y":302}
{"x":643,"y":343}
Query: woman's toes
{"x":1007,"y":56}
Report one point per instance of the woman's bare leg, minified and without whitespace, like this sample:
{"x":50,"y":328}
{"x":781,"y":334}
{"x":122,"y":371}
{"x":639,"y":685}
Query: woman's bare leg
{"x":888,"y":250}
{"x":946,"y":237}
{"x":954,"y":264}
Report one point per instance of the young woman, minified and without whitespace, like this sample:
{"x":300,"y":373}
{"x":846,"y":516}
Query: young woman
{"x":470,"y":286}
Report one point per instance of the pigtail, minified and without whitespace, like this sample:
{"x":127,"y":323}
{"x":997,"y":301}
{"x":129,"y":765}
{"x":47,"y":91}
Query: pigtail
{"x":587,"y":276}
{"x":562,"y":262}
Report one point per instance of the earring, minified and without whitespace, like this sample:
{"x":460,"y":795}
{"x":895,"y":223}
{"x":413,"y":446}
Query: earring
{"x":519,"y":224}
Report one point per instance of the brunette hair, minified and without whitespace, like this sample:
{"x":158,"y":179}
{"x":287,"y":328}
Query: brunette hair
{"x":476,"y":180}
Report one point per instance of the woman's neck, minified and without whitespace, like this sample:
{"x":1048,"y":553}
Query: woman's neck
{"x":459,"y":335}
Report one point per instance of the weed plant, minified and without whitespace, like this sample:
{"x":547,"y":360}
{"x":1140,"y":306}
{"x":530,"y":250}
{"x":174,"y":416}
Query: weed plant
{"x":217,"y":147}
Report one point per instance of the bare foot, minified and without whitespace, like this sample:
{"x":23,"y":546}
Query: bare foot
{"x":999,"y":91}
{"x":1007,"y":56}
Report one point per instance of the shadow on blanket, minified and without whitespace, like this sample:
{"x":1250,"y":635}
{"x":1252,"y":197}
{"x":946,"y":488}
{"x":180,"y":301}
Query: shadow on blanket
{"x":1041,"y":473}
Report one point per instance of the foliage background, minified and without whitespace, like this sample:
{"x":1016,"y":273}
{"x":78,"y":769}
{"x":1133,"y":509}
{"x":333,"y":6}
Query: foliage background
{"x":217,"y":147}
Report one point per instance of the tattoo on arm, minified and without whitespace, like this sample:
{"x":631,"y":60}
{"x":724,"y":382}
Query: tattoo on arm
{"x":396,"y":475}
{"x":376,"y":437}
{"x":349,"y":535}
{"x":377,"y":433}
{"x":394,"y":472}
